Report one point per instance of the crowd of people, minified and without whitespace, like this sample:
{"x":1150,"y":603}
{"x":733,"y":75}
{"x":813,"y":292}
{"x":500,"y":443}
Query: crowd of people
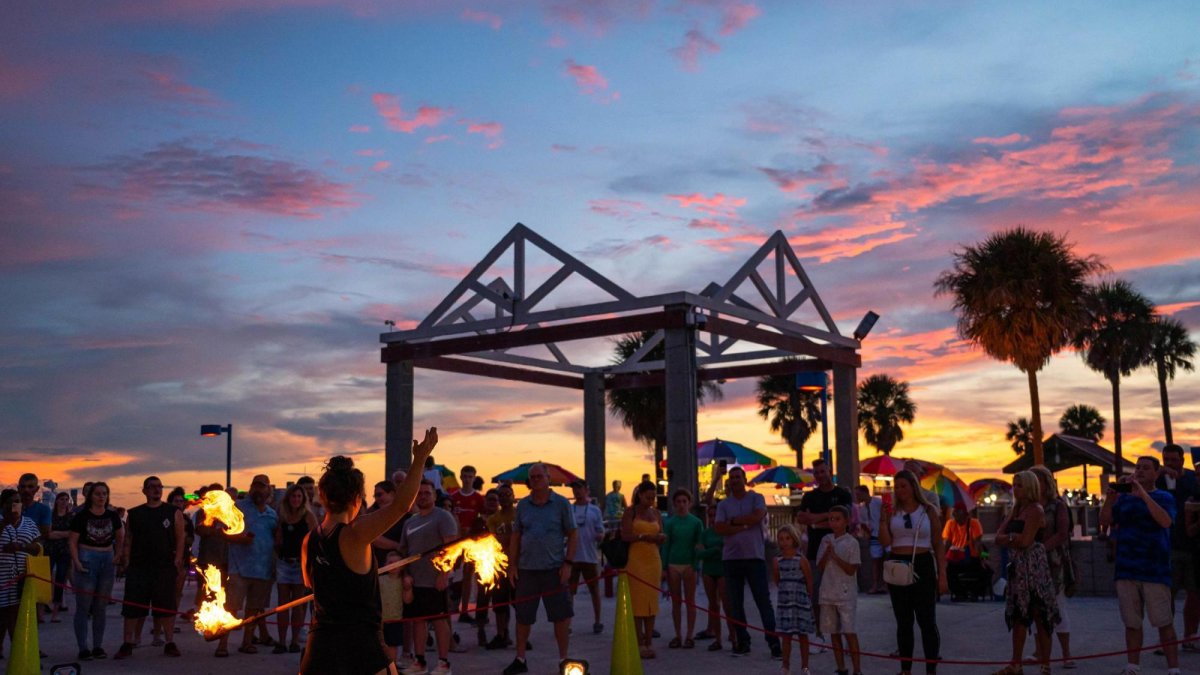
{"x":327,"y":537}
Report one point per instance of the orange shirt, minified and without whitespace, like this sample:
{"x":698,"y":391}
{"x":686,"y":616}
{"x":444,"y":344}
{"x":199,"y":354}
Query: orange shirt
{"x":960,"y":536}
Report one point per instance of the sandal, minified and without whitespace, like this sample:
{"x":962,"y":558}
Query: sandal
{"x":675,"y":643}
{"x":715,"y":647}
{"x":689,"y":644}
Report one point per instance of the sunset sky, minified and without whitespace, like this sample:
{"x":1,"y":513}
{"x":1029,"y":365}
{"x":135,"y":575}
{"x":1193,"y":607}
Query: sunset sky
{"x":208,"y":208}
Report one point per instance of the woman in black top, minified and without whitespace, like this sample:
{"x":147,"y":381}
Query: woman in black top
{"x":296,"y":520}
{"x":346,"y":637}
{"x":60,"y":554}
{"x":96,"y":541}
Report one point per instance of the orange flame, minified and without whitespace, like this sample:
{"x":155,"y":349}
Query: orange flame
{"x":212,"y":618}
{"x":218,"y":505}
{"x":485,"y":552}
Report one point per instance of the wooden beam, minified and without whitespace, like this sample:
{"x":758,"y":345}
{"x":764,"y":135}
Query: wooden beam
{"x":638,"y":380}
{"x":535,"y":336}
{"x":796,"y":345}
{"x":467,"y":367}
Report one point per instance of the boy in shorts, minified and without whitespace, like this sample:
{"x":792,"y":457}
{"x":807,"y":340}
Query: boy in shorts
{"x":839,"y":558}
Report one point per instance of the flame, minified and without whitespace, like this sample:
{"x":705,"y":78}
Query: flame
{"x":212,"y":619}
{"x":218,"y":505}
{"x":485,"y":552}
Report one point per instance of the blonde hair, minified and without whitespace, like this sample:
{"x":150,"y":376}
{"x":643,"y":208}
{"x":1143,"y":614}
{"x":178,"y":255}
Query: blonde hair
{"x":285,"y":507}
{"x":791,"y":531}
{"x":1045,"y":475}
{"x":1026,"y":488}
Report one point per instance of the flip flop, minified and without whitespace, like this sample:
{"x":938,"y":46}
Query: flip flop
{"x":675,"y":643}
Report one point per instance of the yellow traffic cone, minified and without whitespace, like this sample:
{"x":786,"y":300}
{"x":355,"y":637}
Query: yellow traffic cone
{"x":24,"y":659}
{"x":626,"y":657}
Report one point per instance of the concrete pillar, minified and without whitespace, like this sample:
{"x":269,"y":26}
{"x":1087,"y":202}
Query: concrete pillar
{"x":398,"y":434}
{"x":681,"y":409}
{"x":845,"y":412}
{"x":594,"y":412}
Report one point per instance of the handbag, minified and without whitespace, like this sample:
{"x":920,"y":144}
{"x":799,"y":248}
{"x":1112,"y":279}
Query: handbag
{"x":900,"y":572}
{"x":615,"y":550}
{"x":1070,"y":576}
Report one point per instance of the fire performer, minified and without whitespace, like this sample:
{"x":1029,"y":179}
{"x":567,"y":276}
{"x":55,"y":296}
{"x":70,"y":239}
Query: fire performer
{"x":346,"y":637}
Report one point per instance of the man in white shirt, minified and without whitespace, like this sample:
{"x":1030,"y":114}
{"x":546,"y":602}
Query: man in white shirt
{"x":585,"y":564}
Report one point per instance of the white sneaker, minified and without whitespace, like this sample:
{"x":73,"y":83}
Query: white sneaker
{"x":415,"y":667}
{"x":1131,"y":670}
{"x":443,"y":668}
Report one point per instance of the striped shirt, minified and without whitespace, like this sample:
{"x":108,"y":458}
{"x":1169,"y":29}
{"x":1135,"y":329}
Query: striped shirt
{"x":12,"y":565}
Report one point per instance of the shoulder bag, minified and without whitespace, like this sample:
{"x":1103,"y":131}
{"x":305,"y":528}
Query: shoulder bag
{"x":901,"y":572}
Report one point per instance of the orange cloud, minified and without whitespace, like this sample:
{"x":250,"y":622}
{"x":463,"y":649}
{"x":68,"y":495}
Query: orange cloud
{"x":388,"y":106}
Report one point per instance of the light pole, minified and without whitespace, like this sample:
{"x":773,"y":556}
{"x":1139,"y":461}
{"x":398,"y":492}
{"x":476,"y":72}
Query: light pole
{"x":818,"y":383}
{"x":217,"y":430}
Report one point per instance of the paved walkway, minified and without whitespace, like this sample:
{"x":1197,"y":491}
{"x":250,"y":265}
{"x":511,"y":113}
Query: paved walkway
{"x":969,"y":631}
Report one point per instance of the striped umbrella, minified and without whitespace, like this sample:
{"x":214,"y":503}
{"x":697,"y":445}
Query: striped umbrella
{"x":883,"y":465}
{"x":520,"y":474}
{"x":949,"y":488}
{"x":983,"y":487}
{"x":708,"y":452}
{"x":784,"y":475}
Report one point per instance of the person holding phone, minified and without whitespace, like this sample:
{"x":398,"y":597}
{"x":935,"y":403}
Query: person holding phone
{"x":1143,"y":515}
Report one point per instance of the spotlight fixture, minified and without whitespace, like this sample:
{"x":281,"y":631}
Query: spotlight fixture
{"x":573,"y":667}
{"x":865,"y":326}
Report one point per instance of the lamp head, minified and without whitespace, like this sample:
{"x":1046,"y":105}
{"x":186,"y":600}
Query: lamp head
{"x":865,"y":326}
{"x":210,"y":430}
{"x":812,"y":382}
{"x":573,"y":667}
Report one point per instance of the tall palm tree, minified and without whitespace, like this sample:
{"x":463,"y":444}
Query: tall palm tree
{"x":643,"y":410}
{"x":1018,"y":295}
{"x":1170,"y":349}
{"x":1115,"y":339}
{"x":883,"y":405}
{"x":793,"y":414}
{"x":1022,"y":436}
{"x":1082,"y":421}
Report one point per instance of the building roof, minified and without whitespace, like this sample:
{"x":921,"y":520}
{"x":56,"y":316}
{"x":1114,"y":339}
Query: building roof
{"x":1066,"y":452}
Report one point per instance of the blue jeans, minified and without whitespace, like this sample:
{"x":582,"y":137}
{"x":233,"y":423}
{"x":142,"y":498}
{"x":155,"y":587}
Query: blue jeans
{"x":90,"y":586}
{"x":754,"y":572}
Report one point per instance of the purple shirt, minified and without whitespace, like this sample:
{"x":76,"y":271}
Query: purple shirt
{"x":747,"y":544}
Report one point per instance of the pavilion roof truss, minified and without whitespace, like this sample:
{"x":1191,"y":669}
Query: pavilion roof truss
{"x":475,"y":327}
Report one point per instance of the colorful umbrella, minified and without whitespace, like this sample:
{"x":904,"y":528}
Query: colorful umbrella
{"x":520,"y":474}
{"x":883,"y":465}
{"x":734,"y":453}
{"x":949,"y":488}
{"x":449,"y":480}
{"x":784,"y":475}
{"x":984,"y":486}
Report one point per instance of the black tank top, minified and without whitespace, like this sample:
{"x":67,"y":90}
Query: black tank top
{"x":153,"y":532}
{"x":342,"y":596}
{"x":293,"y":537}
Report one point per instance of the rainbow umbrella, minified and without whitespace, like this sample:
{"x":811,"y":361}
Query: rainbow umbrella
{"x":708,"y":452}
{"x":520,"y":474}
{"x":984,"y":486}
{"x":883,"y":465}
{"x":949,"y":488}
{"x":784,"y":475}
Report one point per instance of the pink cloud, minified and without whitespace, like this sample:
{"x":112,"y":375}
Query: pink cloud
{"x":824,"y":174}
{"x":1001,"y":140}
{"x":494,"y":22}
{"x":716,"y":205}
{"x":368,"y":153}
{"x":381,"y":165}
{"x":437,"y":139}
{"x":623,"y":209}
{"x":736,"y":15}
{"x":596,"y":17}
{"x":168,"y":86}
{"x":1177,"y":307}
{"x":359,"y":129}
{"x":388,"y":106}
{"x":695,"y":44}
{"x":490,"y":130}
{"x":24,"y":79}
{"x":589,"y":81}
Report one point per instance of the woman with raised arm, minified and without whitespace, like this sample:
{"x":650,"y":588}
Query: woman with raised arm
{"x":347,"y":635}
{"x":912,"y":528}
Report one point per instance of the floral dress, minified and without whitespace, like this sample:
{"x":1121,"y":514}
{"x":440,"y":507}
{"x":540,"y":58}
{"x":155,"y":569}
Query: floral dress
{"x":793,"y":607}
{"x":1030,"y":597}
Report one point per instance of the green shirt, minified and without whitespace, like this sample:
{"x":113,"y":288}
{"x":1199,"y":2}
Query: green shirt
{"x":683,"y":536}
{"x":714,"y":546}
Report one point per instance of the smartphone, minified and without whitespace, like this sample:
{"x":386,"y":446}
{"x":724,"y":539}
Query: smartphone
{"x":723,"y":463}
{"x":1123,"y":488}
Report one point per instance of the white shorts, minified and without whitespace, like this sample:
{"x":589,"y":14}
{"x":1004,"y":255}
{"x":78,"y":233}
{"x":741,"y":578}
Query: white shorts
{"x":838,"y":618}
{"x":1064,"y":626}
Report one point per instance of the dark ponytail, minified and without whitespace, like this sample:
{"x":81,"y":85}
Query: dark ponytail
{"x":342,"y":485}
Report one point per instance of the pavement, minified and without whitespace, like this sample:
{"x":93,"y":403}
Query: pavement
{"x":970,"y":631}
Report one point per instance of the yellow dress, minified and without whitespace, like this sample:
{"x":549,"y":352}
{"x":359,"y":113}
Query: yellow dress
{"x":645,"y":564}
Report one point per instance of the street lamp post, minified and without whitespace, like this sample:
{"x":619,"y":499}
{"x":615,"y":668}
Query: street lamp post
{"x":217,"y":430}
{"x":818,"y":383}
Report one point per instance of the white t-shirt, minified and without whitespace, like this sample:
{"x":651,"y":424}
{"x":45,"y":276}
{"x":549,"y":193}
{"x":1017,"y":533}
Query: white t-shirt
{"x":836,"y":586}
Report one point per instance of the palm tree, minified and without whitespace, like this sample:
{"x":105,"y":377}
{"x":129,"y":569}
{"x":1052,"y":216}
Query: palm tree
{"x":1082,"y":421}
{"x":1022,"y":436}
{"x":883,"y":405}
{"x":1170,"y":349}
{"x":1018,"y":296}
{"x":793,"y":414}
{"x":643,"y":410}
{"x":1115,"y":339}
